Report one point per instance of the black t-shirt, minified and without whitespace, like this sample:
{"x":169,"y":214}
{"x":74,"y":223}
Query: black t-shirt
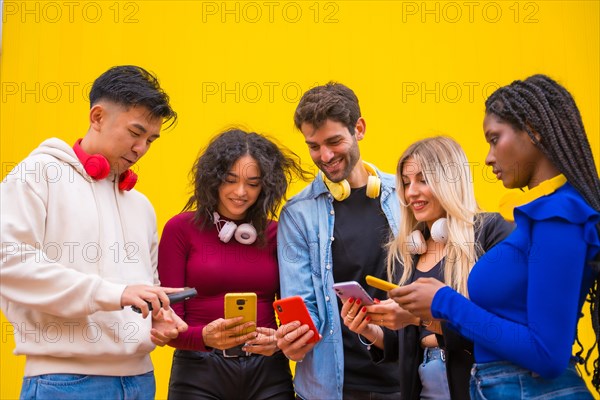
{"x":360,"y":233}
{"x":435,"y":272}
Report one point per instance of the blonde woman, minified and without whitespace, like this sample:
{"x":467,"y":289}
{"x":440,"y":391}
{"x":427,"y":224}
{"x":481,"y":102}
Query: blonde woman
{"x":525,"y":299}
{"x":441,"y":234}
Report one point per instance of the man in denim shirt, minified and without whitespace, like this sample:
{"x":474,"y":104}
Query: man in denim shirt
{"x":335,"y":230}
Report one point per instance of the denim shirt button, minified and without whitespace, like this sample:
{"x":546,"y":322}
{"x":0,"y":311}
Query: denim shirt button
{"x":332,"y":238}
{"x":331,"y":212}
{"x":327,"y":298}
{"x":331,"y":332}
{"x":328,"y":266}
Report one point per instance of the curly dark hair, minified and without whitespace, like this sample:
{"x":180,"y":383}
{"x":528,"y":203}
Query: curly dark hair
{"x":130,"y":85}
{"x":277,"y":164}
{"x":332,"y":101}
{"x":540,"y":105}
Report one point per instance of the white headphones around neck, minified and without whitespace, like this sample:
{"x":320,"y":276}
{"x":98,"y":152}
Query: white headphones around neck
{"x":439,"y":233}
{"x":244,"y":234}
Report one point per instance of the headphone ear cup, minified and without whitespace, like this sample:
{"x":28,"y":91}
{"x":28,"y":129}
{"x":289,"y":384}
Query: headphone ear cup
{"x":339,"y":190}
{"x":227,"y":231}
{"x":96,"y":165}
{"x":245,"y":234}
{"x":373,"y":186}
{"x":439,"y":230}
{"x":127,"y":180}
{"x":415,"y":243}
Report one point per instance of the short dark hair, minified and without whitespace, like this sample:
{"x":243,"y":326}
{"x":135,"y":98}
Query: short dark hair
{"x":277,"y":166}
{"x":332,"y":101}
{"x":129,"y":85}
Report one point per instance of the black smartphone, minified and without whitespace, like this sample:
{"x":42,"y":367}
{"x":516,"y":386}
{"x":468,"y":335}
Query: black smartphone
{"x":186,"y":293}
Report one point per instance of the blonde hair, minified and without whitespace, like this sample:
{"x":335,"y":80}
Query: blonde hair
{"x":446,"y":171}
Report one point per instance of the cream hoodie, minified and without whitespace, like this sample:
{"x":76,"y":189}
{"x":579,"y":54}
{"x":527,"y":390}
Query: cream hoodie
{"x":69,"y":247}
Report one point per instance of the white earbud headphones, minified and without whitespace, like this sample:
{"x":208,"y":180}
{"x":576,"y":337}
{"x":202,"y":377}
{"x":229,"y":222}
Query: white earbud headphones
{"x":439,"y":233}
{"x":245,"y":233}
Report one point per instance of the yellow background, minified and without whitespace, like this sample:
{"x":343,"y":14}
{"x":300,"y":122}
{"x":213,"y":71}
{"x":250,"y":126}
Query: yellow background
{"x":418,"y":68}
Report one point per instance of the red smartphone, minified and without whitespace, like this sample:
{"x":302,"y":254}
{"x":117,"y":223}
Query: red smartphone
{"x":293,"y":309}
{"x":345,"y":290}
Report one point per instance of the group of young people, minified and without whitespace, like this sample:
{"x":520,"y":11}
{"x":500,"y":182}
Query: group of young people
{"x":485,"y":308}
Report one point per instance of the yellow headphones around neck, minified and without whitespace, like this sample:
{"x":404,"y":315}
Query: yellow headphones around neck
{"x":341,"y":190}
{"x":516,"y":199}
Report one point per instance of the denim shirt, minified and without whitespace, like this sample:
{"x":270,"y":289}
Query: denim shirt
{"x":305,"y":233}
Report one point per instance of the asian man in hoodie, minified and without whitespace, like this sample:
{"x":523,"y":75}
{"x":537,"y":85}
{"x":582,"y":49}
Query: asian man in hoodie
{"x":79,"y":246}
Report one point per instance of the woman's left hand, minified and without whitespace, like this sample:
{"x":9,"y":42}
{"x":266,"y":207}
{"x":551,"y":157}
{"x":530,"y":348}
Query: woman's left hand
{"x":418,"y":296}
{"x":265,"y":343}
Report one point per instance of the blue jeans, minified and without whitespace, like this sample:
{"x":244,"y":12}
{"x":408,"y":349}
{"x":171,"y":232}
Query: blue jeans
{"x":432,"y":372}
{"x":504,"y":380}
{"x":93,"y":387}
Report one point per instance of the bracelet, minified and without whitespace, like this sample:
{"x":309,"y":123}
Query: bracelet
{"x":296,"y":361}
{"x":425,"y":323}
{"x":366,"y":344}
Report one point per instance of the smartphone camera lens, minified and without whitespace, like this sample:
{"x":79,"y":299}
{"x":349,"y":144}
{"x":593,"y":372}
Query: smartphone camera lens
{"x":240,"y":302}
{"x":279,"y":309}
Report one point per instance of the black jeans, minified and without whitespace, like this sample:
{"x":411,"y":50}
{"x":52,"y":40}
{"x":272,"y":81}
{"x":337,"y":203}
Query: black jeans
{"x":200,"y":375}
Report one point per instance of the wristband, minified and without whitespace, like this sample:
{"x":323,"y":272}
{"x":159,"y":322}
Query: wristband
{"x":366,"y":344}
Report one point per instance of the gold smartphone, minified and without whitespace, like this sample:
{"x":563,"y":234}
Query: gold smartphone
{"x":244,"y":305}
{"x":380,"y":283}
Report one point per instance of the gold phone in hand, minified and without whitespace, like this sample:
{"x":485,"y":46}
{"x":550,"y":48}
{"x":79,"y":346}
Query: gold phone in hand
{"x":244,"y":305}
{"x":380,"y":283}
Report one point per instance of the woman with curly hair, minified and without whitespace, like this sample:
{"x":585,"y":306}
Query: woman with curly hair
{"x":223,"y":242}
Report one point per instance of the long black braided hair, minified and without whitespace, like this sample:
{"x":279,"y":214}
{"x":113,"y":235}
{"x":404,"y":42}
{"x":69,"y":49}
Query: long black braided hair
{"x":540,"y":105}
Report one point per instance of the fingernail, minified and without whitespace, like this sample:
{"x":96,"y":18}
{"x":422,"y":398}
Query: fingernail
{"x":368,"y":319}
{"x":350,"y":300}
{"x":376,"y":301}
{"x":357,"y":302}
{"x":364,"y":309}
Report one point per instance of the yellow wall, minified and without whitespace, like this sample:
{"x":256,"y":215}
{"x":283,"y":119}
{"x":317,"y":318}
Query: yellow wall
{"x":419,"y":68}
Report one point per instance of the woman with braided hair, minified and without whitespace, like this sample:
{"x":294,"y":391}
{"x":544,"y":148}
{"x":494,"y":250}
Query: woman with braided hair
{"x":525,"y":295}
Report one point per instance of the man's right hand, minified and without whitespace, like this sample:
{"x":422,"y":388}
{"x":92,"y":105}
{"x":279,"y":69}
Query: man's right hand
{"x":293,"y":339}
{"x":138,"y":295}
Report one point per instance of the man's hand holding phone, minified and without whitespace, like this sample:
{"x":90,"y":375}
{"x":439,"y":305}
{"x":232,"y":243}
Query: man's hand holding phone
{"x":297,"y":334}
{"x":145,"y":299}
{"x":295,"y":340}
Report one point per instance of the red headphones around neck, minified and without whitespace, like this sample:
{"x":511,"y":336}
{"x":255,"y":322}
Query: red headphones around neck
{"x":98,"y":167}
